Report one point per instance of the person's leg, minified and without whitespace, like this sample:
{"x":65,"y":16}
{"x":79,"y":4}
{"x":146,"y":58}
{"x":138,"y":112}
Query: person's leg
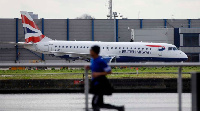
{"x":109,"y":106}
{"x":95,"y":103}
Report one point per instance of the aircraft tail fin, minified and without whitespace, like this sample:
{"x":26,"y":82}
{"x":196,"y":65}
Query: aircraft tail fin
{"x":31,"y":30}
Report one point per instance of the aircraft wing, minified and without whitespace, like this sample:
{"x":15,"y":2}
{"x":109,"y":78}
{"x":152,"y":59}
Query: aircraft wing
{"x":69,"y":53}
{"x":73,"y":54}
{"x":109,"y":58}
{"x":19,"y":43}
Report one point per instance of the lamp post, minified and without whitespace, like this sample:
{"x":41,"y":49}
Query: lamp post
{"x":115,"y":15}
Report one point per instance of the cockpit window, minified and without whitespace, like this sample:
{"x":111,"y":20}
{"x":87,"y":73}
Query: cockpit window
{"x":172,"y":48}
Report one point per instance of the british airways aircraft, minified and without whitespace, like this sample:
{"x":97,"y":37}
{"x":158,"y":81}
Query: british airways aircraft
{"x":110,"y":51}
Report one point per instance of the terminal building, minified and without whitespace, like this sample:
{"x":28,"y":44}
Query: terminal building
{"x":184,"y":33}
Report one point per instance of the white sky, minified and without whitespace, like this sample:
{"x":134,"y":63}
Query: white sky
{"x":62,"y":9}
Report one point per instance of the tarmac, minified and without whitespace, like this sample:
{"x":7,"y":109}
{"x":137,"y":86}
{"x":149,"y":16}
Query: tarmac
{"x":76,"y":101}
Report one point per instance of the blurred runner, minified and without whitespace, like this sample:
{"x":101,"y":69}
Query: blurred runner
{"x":100,"y":85}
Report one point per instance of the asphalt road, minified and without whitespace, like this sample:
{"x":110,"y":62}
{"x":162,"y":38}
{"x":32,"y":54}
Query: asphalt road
{"x":75,"y":101}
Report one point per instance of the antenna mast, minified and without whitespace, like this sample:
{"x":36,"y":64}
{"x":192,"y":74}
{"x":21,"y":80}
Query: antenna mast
{"x":110,"y":9}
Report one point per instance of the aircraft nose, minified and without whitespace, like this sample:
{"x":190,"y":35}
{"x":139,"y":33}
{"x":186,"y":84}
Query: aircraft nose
{"x":183,"y":55}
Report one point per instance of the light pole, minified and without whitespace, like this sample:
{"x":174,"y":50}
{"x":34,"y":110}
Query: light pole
{"x":115,"y":15}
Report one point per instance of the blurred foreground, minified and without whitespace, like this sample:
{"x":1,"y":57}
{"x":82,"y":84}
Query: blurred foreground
{"x":76,"y":101}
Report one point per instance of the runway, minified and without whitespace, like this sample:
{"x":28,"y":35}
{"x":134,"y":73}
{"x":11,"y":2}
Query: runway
{"x":75,"y":101}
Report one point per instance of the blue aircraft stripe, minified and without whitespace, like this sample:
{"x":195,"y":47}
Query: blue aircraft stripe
{"x":27,"y":30}
{"x":137,"y":59}
{"x":162,"y":49}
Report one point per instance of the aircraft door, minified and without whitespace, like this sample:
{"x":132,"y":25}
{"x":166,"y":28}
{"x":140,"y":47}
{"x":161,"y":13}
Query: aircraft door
{"x":50,"y":47}
{"x":46,"y":48}
{"x":160,"y":51}
{"x":107,"y":48}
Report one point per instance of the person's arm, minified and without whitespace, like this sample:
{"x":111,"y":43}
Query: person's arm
{"x":96,"y":74}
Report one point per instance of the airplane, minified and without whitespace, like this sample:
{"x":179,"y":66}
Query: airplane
{"x":110,"y":51}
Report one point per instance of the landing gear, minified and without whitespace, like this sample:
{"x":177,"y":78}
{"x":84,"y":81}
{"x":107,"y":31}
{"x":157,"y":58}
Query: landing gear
{"x":113,"y":60}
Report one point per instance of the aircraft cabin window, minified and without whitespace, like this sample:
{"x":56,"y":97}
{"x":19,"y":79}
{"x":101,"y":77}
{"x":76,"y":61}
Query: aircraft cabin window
{"x":123,"y":47}
{"x":150,"y":48}
{"x":131,"y":47}
{"x":62,"y":46}
{"x":103,"y":47}
{"x":55,"y":46}
{"x":119,"y":47}
{"x":77,"y":46}
{"x":66,"y":46}
{"x":59,"y":46}
{"x":127,"y":47}
{"x":70,"y":46}
{"x":115,"y":47}
{"x":87,"y":47}
{"x":111,"y":48}
{"x":83,"y":46}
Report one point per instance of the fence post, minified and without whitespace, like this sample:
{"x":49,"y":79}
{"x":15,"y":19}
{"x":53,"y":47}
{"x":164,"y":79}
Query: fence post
{"x":43,"y":34}
{"x":86,"y":89}
{"x":179,"y":88}
{"x":92,"y":29}
{"x":67,"y":29}
{"x":16,"y":47}
{"x":195,"y":85}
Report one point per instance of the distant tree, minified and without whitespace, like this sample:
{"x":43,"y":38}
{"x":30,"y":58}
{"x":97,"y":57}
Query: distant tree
{"x":85,"y":16}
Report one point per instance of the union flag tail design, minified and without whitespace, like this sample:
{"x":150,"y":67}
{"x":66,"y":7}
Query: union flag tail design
{"x":31,"y":30}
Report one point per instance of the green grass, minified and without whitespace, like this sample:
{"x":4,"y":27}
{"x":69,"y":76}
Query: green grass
{"x":67,"y":73}
{"x":38,"y":76}
{"x":157,"y":69}
{"x":80,"y":76}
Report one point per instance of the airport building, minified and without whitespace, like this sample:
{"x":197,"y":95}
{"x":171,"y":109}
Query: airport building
{"x":184,"y":33}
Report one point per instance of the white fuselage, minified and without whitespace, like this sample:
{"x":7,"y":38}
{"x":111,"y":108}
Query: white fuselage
{"x":122,"y":51}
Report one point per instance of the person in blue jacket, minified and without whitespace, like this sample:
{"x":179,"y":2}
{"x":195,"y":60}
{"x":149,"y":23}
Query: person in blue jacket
{"x":100,"y":85}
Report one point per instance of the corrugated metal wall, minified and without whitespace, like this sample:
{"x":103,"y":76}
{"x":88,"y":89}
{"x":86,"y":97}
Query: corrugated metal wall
{"x":124,"y":34}
{"x":177,"y":23}
{"x":104,"y":30}
{"x":156,"y":35}
{"x":195,"y":23}
{"x":55,"y":29}
{"x":153,"y":23}
{"x":82,"y":30}
{"x":7,"y":34}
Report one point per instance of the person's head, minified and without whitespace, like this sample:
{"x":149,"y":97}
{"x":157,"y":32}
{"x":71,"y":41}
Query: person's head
{"x":94,"y":51}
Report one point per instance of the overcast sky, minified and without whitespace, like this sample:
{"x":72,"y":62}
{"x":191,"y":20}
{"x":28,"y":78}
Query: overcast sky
{"x":62,"y":9}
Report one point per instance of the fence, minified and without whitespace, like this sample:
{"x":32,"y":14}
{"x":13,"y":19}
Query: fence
{"x":179,"y":65}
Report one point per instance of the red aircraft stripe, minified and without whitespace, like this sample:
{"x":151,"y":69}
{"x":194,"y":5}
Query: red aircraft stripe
{"x":154,"y":45}
{"x":27,"y":21}
{"x":35,"y":39}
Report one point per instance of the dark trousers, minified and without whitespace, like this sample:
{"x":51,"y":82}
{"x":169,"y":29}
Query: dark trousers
{"x":97,"y":103}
